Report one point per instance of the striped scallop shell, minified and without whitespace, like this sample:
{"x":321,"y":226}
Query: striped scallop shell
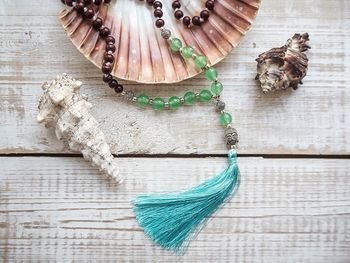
{"x":142,"y":54}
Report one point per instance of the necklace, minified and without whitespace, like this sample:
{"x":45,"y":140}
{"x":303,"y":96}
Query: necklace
{"x":173,"y":219}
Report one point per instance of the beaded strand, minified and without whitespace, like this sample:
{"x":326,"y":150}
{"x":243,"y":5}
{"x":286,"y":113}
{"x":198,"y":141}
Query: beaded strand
{"x":195,"y":20}
{"x":188,"y":52}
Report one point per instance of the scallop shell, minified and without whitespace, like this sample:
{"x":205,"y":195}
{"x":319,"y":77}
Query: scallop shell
{"x":142,"y":55}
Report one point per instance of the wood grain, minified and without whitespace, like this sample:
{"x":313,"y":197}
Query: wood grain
{"x":287,"y":210}
{"x":312,"y":120}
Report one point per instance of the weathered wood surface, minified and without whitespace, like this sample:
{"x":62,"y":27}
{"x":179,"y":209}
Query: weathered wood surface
{"x":312,"y":120}
{"x":287,"y":210}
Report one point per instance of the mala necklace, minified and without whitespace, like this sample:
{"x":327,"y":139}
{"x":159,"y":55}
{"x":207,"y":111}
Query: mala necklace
{"x":195,"y":20}
{"x":173,"y":219}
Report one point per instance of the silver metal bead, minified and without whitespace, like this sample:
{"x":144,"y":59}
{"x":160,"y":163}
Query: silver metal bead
{"x":129,"y":95}
{"x":165,"y":33}
{"x":220,"y":105}
{"x":231,"y":136}
{"x":182,"y":100}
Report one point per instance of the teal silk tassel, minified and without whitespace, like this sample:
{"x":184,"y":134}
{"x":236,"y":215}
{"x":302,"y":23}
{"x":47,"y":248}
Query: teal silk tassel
{"x":173,"y":219}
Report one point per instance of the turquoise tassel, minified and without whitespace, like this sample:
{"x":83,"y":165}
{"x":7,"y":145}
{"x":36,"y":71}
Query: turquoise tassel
{"x":173,"y":219}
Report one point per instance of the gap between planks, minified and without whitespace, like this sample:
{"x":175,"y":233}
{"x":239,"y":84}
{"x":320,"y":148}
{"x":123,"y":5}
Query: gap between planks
{"x":155,"y":156}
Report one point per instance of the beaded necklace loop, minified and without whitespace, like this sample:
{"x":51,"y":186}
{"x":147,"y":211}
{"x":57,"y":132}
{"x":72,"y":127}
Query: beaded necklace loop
{"x":195,"y":20}
{"x":83,"y":8}
{"x":173,"y":219}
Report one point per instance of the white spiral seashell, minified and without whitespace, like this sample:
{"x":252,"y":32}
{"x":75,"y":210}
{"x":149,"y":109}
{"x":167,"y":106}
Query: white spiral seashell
{"x":63,"y":107}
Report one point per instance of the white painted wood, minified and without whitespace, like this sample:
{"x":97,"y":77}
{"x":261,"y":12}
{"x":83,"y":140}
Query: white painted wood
{"x":312,"y":120}
{"x":286,"y":211}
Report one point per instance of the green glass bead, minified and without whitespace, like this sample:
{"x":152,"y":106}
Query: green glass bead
{"x":225,"y":119}
{"x":217,"y":87}
{"x":205,"y":95}
{"x":158,"y":104}
{"x":190,"y":98}
{"x":211,"y":73}
{"x":201,"y":61}
{"x":142,"y":100}
{"x":174,"y":102}
{"x":175,"y":44}
{"x":187,"y":52}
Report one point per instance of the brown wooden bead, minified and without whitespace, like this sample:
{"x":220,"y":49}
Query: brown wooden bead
{"x":97,"y":24}
{"x":113,"y":84}
{"x":119,"y":89}
{"x":107,"y":1}
{"x":104,"y":32}
{"x":97,"y":2}
{"x":160,"y":23}
{"x":107,"y":68}
{"x":110,"y":47}
{"x":176,"y":4}
{"x":107,"y":78}
{"x":79,"y":7}
{"x":209,"y":4}
{"x":186,"y":20}
{"x":157,"y":4}
{"x":69,"y":2}
{"x":178,"y":14}
{"x":89,"y":14}
{"x":110,"y":40}
{"x":87,"y":2}
{"x":158,"y":13}
{"x":196,"y":20}
{"x":150,"y":2}
{"x":108,"y":57}
{"x":205,"y":14}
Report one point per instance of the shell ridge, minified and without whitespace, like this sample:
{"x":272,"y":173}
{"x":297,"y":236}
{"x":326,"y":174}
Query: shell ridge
{"x":244,"y":6}
{"x":133,"y":47}
{"x":123,"y":53}
{"x":67,"y":18}
{"x":223,"y":32}
{"x":116,"y":31}
{"x":252,"y":3}
{"x":146,"y":56}
{"x":232,"y":17}
{"x":214,"y":39}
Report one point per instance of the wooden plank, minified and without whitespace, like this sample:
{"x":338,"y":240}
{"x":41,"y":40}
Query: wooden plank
{"x":312,"y":120}
{"x":287,"y":210}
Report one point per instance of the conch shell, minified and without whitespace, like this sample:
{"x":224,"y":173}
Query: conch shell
{"x":63,"y":107}
{"x":142,"y":54}
{"x":284,"y":67}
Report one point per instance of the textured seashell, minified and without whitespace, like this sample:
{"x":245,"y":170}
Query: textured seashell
{"x":284,"y":67}
{"x":143,"y":55}
{"x":63,"y":107}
